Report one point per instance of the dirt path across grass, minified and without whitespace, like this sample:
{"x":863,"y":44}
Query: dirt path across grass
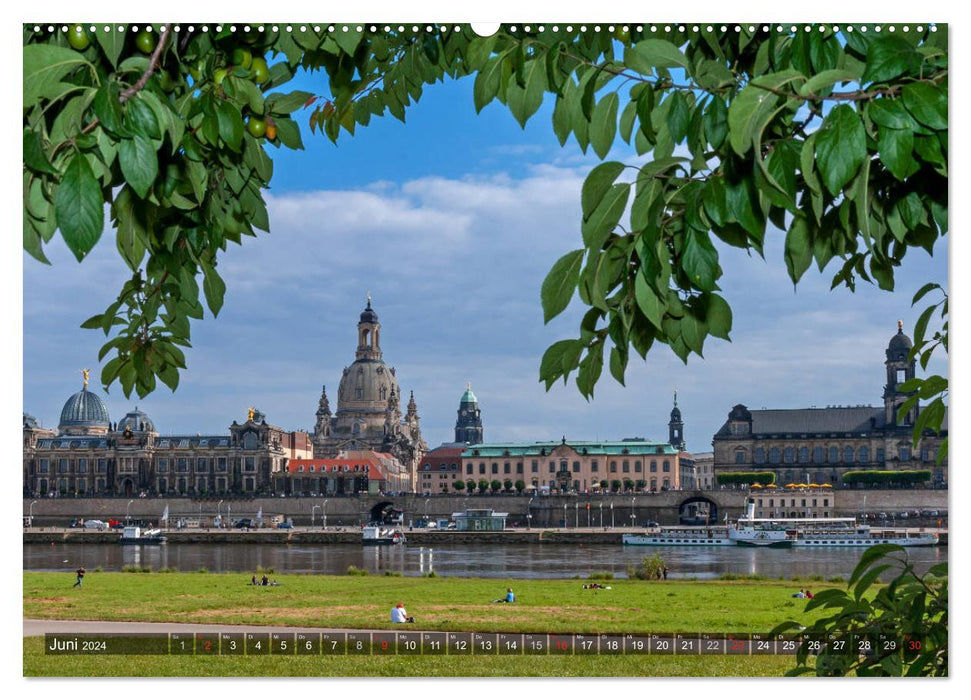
{"x":38,"y":628}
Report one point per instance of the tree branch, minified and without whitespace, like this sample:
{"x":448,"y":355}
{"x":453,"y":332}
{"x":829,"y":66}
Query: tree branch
{"x":152,"y":65}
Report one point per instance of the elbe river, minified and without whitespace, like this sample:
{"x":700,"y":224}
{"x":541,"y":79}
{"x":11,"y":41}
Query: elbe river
{"x":515,"y":561}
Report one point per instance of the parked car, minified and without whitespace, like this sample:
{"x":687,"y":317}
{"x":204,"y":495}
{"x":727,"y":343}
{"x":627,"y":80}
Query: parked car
{"x":285,"y":526}
{"x":245,"y":523}
{"x":95,"y":525}
{"x":882,"y":516}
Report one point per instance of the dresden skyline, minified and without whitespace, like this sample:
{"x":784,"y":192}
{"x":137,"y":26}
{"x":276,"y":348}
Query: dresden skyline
{"x":451,"y":222}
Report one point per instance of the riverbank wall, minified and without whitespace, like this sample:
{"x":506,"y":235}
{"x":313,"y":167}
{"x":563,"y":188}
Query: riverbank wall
{"x":573,"y":511}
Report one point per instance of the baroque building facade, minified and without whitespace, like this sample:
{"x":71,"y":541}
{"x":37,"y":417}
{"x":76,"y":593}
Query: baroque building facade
{"x":368,"y":415}
{"x":820,"y":445}
{"x":579,"y":466}
{"x":88,"y":455}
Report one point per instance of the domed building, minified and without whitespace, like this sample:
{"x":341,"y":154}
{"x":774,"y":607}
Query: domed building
{"x":368,"y":413}
{"x":821,"y":445}
{"x":88,"y":454}
{"x":84,"y":413}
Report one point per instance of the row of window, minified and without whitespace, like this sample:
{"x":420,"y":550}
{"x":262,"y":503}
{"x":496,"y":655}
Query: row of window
{"x":792,"y":502}
{"x":625,"y":467}
{"x":820,"y":455}
{"x":129,"y":465}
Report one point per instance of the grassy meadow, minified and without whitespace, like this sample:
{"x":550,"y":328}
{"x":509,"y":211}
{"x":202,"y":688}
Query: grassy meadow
{"x":439,"y":604}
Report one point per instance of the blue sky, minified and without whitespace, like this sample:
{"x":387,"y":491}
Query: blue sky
{"x":451,"y":221}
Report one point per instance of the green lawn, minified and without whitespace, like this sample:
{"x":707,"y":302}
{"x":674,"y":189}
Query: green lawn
{"x":439,"y":604}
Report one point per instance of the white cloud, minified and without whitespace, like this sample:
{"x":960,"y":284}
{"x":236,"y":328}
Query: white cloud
{"x":454,"y":266}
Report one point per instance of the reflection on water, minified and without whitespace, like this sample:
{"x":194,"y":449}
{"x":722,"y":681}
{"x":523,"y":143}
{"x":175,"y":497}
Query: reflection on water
{"x":487,"y":561}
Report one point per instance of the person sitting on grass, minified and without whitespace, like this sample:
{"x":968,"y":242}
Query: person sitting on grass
{"x":399,"y":614}
{"x":510,"y":597}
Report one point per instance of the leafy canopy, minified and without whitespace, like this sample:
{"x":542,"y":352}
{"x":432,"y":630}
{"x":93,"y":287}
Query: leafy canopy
{"x":835,"y":138}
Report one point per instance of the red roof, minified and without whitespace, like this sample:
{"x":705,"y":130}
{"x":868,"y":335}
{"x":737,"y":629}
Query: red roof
{"x":374,"y":465}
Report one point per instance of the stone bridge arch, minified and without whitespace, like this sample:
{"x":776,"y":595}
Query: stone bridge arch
{"x":385,"y":512}
{"x":698,"y":510}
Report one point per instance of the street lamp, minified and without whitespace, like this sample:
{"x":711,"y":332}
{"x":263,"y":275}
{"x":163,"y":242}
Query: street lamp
{"x":632,"y":512}
{"x":313,"y":509}
{"x":30,"y":514}
{"x":529,"y":514}
{"x":218,"y":511}
{"x":576,"y":514}
{"x":426,"y":511}
{"x":325,"y":513}
{"x":126,"y":510}
{"x":564,"y":516}
{"x":601,"y":513}
{"x":611,"y":515}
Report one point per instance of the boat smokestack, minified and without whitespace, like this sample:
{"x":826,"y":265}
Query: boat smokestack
{"x":750,"y":508}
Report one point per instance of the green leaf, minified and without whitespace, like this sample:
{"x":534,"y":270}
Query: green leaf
{"x":870,"y":555}
{"x":34,"y":156}
{"x":891,"y":113}
{"x":79,"y":206}
{"x":289,"y":134}
{"x":562,"y":122}
{"x":897,"y":152}
{"x":597,"y":184}
{"x":693,"y":332}
{"x":214,"y":288}
{"x":524,"y":102}
{"x":799,"y":249}
{"x":285,"y":103}
{"x":840,"y":147}
{"x":141,"y":118}
{"x":648,"y":54}
{"x":139,"y":164}
{"x":488,"y":80}
{"x":349,"y":40}
{"x":603,"y":124}
{"x":719,"y":317}
{"x":889,"y":57}
{"x":700,"y":261}
{"x":169,"y":375}
{"x":558,"y":360}
{"x":754,"y":107}
{"x":560,"y":283}
{"x":618,"y":364}
{"x":230,"y":123}
{"x":828,"y":79}
{"x":604,"y":218}
{"x":927,"y":103}
{"x":44,"y":67}
{"x":111,"y":43}
{"x":678,"y":117}
{"x":590,"y":368}
{"x":650,"y":305}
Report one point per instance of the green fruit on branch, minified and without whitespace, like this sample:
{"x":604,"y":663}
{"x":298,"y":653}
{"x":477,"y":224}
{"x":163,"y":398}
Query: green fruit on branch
{"x":219,"y":76}
{"x":260,"y":70}
{"x":145,"y":41}
{"x":78,"y":38}
{"x":256,"y":127}
{"x":242,"y":58}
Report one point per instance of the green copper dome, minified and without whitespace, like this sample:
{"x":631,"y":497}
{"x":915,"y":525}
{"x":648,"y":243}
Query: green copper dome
{"x":468,"y":396}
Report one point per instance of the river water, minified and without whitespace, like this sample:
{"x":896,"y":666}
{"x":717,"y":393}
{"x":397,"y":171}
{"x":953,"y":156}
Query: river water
{"x":518,"y":561}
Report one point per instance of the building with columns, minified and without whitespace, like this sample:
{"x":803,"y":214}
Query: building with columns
{"x":820,"y":445}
